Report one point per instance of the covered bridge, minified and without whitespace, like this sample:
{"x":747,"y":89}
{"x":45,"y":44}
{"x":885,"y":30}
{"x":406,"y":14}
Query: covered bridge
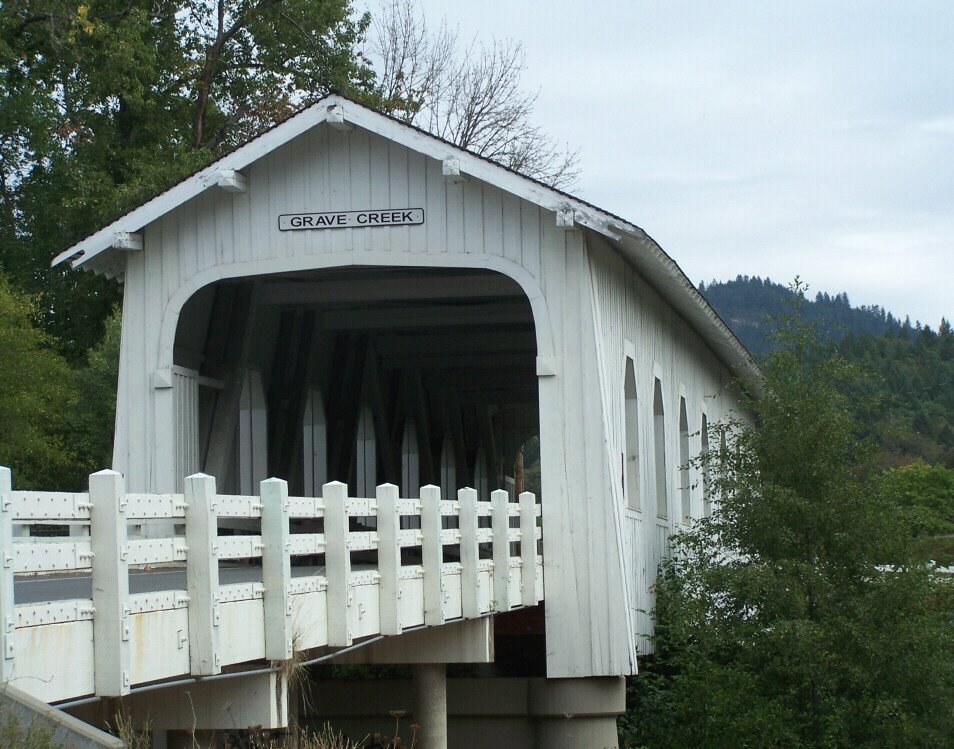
{"x":347,"y":298}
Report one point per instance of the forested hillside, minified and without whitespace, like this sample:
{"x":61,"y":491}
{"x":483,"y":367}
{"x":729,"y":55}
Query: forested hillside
{"x":911,"y":367}
{"x":747,"y":302}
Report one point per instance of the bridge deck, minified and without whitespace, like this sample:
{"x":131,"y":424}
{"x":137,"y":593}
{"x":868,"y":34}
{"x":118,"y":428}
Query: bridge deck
{"x":103,"y":613}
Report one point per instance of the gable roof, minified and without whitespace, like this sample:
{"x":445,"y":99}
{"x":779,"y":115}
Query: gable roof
{"x":642,"y":251}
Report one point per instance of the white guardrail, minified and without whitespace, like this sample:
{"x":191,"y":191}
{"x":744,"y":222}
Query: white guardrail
{"x":105,"y":644}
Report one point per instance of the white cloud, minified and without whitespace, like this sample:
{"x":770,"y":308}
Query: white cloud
{"x":758,"y":138}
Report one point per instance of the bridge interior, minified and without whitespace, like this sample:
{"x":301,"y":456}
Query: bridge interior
{"x":365,"y":375}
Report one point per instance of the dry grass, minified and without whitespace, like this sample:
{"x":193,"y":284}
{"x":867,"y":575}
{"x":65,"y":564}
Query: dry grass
{"x":12,"y":736}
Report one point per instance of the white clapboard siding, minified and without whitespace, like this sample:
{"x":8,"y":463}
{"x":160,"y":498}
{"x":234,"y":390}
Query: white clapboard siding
{"x":586,"y":302}
{"x":185,"y":386}
{"x":632,"y":314}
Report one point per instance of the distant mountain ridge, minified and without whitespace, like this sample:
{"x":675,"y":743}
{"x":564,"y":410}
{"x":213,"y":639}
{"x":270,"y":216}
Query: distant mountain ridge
{"x":744,"y":304}
{"x":910,"y":366}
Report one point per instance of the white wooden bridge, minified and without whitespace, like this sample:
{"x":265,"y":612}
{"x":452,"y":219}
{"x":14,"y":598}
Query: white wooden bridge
{"x":75,"y":622}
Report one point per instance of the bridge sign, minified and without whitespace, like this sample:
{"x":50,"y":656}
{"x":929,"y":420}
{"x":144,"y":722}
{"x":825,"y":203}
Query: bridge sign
{"x":351,"y":219}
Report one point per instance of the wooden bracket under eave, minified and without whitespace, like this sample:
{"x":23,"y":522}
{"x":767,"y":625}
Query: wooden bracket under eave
{"x":566,"y":218}
{"x":451,"y":169}
{"x":336,"y":118}
{"x":231,"y":180}
{"x":128,"y":241}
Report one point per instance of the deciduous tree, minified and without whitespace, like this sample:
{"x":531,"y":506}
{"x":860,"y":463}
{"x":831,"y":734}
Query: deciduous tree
{"x":799,"y":613}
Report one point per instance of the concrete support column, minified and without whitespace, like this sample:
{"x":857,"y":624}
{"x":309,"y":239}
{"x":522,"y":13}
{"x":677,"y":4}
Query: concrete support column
{"x":572,"y":713}
{"x":430,"y":704}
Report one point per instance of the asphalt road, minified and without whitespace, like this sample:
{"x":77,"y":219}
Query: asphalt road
{"x":68,"y":587}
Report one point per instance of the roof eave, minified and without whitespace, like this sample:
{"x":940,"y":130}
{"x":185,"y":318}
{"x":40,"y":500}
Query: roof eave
{"x":647,"y":256}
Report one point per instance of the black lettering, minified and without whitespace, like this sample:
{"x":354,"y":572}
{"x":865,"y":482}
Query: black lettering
{"x":406,"y":216}
{"x":362,"y":218}
{"x":373,"y":218}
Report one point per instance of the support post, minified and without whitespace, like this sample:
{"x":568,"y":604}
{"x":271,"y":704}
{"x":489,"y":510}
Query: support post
{"x":430,"y":704}
{"x":389,"y":559}
{"x":110,"y":574}
{"x":500,"y":526}
{"x":432,"y":555}
{"x":337,"y":563}
{"x":469,"y":553}
{"x":276,"y":570}
{"x":528,"y":548}
{"x":8,"y":619}
{"x":202,"y":574}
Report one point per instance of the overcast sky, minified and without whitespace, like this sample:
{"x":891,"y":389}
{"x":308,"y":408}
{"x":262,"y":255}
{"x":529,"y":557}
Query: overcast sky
{"x":761,"y":138}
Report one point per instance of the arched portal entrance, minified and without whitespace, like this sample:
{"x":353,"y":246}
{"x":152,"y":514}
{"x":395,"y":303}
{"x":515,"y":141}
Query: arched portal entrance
{"x":349,"y":362}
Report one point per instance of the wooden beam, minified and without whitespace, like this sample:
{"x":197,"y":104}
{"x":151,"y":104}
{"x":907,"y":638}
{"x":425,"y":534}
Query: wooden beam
{"x":222,"y":434}
{"x":462,"y":361}
{"x":344,"y":407}
{"x":501,"y":396}
{"x":129,"y":241}
{"x":478,"y":285}
{"x":336,"y":118}
{"x":456,"y":427}
{"x":231,"y":180}
{"x":447,"y":343}
{"x":431,"y":316}
{"x":485,"y":426}
{"x":469,"y":379}
{"x":374,"y":392}
{"x":420,"y":411}
{"x":566,"y":218}
{"x":451,"y":169}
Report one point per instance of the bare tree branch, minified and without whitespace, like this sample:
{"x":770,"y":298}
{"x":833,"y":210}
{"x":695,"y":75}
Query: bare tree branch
{"x":469,"y":95}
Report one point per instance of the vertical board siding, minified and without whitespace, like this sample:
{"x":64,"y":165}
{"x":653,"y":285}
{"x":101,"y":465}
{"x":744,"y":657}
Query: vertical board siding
{"x":665,"y":347}
{"x":592,"y":298}
{"x":185,"y":389}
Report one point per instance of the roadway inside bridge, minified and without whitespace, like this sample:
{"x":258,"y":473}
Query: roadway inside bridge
{"x":51,"y":588}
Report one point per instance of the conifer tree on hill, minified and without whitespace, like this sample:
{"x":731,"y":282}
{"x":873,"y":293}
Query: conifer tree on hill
{"x":800,"y":613}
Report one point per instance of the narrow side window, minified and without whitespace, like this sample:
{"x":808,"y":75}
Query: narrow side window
{"x":684,"y":481}
{"x":659,"y":445}
{"x":631,"y":438}
{"x":704,"y":452}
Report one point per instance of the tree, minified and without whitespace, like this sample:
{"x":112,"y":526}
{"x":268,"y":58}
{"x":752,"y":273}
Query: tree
{"x":35,"y":388}
{"x":469,"y":95}
{"x":798,"y":615}
{"x":91,"y":420}
{"x":104,"y":103}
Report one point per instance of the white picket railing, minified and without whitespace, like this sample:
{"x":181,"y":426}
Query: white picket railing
{"x":114,"y":640}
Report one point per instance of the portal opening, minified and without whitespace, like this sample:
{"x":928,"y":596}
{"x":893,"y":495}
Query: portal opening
{"x":409,"y":376}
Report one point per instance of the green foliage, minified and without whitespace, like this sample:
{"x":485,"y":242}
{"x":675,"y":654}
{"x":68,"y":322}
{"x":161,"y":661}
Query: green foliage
{"x":911,"y":366}
{"x":915,"y":373}
{"x":37,"y":736}
{"x":104,"y":103}
{"x":35,"y":391}
{"x":748,"y":304}
{"x":798,"y":615}
{"x":91,"y":420}
{"x":928,"y":492}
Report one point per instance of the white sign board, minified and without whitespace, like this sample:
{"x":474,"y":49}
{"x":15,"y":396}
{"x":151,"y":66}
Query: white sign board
{"x":351,"y":219}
